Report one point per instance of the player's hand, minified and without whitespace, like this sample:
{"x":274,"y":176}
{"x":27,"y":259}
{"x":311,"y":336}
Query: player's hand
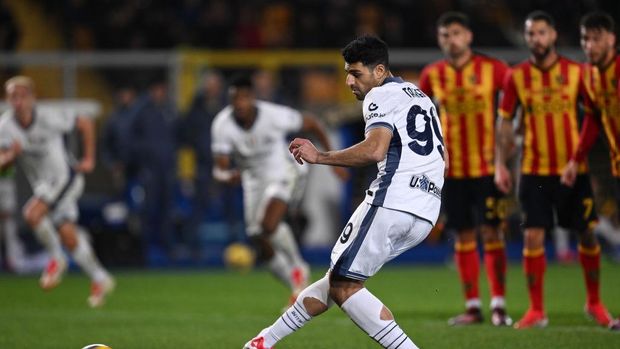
{"x":503,"y":179}
{"x":342,"y":173}
{"x":303,"y":150}
{"x":87,"y":165}
{"x":569,"y":173}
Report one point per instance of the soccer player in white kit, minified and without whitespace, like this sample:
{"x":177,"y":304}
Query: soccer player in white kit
{"x":33,"y":137}
{"x":249,"y":146}
{"x":404,"y":139}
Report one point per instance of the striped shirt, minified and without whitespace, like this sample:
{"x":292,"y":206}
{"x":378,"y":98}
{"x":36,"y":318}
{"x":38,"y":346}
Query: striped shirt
{"x":467,"y":99}
{"x":603,"y":88}
{"x":549,"y":100}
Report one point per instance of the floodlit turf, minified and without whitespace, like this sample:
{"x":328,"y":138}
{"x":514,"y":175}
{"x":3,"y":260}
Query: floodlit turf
{"x":222,"y":310}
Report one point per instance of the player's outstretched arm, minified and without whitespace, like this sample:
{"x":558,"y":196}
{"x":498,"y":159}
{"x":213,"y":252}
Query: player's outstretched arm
{"x":86,"y":128}
{"x":369,"y":151}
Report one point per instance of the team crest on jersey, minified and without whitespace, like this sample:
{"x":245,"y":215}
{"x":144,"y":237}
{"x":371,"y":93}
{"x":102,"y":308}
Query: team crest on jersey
{"x":473,"y":79}
{"x":425,"y":184}
{"x":560,"y":79}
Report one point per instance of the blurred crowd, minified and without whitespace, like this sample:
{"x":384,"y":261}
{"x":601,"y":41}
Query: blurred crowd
{"x":218,"y":24}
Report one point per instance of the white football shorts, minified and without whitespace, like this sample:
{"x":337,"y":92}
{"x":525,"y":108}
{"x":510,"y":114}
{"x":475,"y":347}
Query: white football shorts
{"x":257,"y":197}
{"x":373,"y":236}
{"x":66,"y":207}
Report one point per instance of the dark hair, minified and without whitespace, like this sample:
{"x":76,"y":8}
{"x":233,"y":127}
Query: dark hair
{"x":598,"y":20}
{"x":540,"y":15}
{"x":452,"y":17}
{"x":368,"y":49}
{"x":241,"y":81}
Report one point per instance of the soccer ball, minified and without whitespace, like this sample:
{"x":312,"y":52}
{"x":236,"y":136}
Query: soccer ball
{"x":96,"y":346}
{"x":239,"y":256}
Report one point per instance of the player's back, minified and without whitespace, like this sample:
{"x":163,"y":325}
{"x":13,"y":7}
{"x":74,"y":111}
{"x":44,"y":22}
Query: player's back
{"x":412,"y":174}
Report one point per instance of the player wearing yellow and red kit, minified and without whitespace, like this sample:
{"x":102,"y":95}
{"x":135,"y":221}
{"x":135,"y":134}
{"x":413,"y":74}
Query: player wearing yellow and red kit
{"x":601,"y":76}
{"x":465,"y":85}
{"x":548,"y":88}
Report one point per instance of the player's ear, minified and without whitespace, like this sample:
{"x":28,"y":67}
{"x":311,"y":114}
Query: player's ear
{"x":379,"y":70}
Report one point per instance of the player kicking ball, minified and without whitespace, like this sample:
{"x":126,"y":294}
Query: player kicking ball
{"x":33,"y":137}
{"x":404,"y":139}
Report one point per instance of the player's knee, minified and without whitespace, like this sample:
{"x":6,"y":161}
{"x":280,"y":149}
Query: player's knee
{"x":31,"y":218}
{"x":268,"y":227}
{"x":68,"y":235}
{"x":465,"y":236}
{"x":262,"y":247}
{"x":386,"y":314}
{"x":490,"y":234}
{"x":587,"y":239}
{"x":314,"y":306}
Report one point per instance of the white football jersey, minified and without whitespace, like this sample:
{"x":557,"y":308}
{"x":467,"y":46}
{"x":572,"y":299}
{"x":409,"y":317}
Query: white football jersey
{"x":261,"y":152}
{"x":411,"y":176}
{"x":44,"y":158}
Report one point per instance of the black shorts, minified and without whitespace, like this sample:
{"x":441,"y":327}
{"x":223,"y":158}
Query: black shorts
{"x":470,"y":202}
{"x":543,"y":196}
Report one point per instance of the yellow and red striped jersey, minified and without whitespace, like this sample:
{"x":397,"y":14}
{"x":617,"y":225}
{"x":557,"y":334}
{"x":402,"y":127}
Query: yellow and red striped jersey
{"x":549,"y":100}
{"x":467,"y":99}
{"x":603,"y":88}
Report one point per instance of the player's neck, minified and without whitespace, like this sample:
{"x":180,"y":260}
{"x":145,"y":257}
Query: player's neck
{"x":544,"y":63}
{"x":25,"y":119}
{"x":460,"y":61}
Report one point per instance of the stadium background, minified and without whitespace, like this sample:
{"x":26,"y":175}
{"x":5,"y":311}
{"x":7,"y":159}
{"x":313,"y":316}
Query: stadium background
{"x":85,"y":50}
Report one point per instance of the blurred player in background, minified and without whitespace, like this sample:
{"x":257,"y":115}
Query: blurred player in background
{"x":249,"y":146}
{"x":16,"y":257}
{"x":403,"y":138}
{"x":466,"y":86}
{"x":33,"y":137}
{"x":601,"y":76}
{"x":548,"y":88}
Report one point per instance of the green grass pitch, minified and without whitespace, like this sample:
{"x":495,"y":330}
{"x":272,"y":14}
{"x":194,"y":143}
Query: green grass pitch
{"x":222,"y":310}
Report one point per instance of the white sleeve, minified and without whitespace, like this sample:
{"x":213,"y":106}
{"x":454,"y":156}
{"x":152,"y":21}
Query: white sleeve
{"x":378,"y":111}
{"x":63,"y":121}
{"x":220,"y":142}
{"x":288,"y":119}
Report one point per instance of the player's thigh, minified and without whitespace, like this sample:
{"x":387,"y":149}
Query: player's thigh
{"x":576,"y":205}
{"x":8,"y":197}
{"x":373,"y":236}
{"x":535,"y":198}
{"x":487,"y":201}
{"x":457,"y":204}
{"x":260,"y":197}
{"x":65,"y":209}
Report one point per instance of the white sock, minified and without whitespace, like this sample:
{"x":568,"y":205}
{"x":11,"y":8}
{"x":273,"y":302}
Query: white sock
{"x":296,"y":316}
{"x":84,"y":257}
{"x":280,"y":268}
{"x":284,"y":240}
{"x":48,"y":236}
{"x":14,"y":248}
{"x":365,"y":310}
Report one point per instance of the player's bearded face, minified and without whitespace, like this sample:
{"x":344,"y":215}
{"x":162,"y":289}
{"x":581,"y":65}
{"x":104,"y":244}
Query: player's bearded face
{"x":361,"y":79}
{"x":454,"y":40}
{"x":20,"y":98}
{"x":540,"y":38}
{"x":597,"y":45}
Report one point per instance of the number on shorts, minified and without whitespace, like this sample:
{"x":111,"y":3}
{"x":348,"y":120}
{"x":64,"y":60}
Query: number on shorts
{"x":346,"y":233}
{"x":588,"y":204}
